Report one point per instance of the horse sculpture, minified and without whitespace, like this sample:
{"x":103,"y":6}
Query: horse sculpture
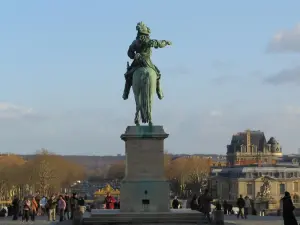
{"x":144,"y":87}
{"x":143,"y":75}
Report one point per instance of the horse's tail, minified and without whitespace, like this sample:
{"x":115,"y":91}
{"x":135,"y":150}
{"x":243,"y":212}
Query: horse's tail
{"x":145,"y":96}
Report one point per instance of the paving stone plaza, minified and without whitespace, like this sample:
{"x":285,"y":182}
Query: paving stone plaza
{"x":230,"y":220}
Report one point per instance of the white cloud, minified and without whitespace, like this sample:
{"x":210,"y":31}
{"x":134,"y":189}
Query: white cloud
{"x":11,"y":111}
{"x":286,"y":41}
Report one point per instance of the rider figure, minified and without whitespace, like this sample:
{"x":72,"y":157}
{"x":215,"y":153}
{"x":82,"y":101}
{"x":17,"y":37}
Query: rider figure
{"x":140,"y":52}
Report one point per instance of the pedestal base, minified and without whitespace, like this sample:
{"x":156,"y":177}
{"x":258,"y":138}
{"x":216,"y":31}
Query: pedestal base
{"x":175,"y":216}
{"x":134,"y":195}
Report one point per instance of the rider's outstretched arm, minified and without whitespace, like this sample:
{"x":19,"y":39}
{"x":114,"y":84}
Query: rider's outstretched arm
{"x":157,"y":43}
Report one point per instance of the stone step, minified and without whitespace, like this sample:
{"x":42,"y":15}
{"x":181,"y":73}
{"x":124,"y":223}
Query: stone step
{"x":96,"y":221}
{"x":180,"y":218}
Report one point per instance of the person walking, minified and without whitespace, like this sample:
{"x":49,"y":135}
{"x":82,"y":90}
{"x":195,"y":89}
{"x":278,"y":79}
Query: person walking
{"x":288,"y":210}
{"x":16,"y":207}
{"x":247,"y":206}
{"x":34,"y":208}
{"x":74,"y":204}
{"x":43,"y":203}
{"x":52,"y":203}
{"x":206,"y":200}
{"x":241,"y":205}
{"x":61,"y":208}
{"x":175,"y":203}
{"x":26,"y":209}
{"x":68,"y":207}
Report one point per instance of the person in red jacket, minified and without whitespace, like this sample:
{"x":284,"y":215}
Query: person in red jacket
{"x":109,"y":201}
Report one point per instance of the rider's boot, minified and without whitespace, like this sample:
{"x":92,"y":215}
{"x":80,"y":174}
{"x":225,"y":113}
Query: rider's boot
{"x":159,"y":91}
{"x":126,"y":90}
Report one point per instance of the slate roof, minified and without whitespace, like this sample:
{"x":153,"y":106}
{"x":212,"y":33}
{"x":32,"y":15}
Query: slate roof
{"x":257,"y":138}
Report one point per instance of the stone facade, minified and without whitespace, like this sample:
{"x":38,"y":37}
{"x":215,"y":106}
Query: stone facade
{"x":256,"y":182}
{"x":250,"y":147}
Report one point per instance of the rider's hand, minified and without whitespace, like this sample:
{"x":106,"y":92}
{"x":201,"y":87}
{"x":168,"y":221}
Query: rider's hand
{"x":137,"y":56}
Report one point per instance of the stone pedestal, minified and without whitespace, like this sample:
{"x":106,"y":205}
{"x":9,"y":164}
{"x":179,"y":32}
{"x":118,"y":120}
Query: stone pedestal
{"x":144,"y":197}
{"x":144,"y":188}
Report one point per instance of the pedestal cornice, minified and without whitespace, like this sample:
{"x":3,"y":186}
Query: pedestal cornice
{"x":144,"y":132}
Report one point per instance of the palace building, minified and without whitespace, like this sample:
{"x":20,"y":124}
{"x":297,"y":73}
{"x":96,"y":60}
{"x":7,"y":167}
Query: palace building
{"x":251,"y":147}
{"x":249,"y":180}
{"x":256,"y":168}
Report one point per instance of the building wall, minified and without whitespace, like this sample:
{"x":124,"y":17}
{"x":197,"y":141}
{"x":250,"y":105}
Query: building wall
{"x":230,"y":189}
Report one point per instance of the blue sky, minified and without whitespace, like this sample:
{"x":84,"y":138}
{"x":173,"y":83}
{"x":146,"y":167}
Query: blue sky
{"x":233,"y":65}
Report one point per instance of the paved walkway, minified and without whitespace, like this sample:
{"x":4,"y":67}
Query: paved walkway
{"x":230,"y":220}
{"x":255,"y":220}
{"x":40,"y":220}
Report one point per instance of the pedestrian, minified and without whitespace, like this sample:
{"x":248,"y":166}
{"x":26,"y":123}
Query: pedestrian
{"x":61,"y":208}
{"x":194,"y":203}
{"x":206,"y":200}
{"x":26,"y":209}
{"x":247,"y":206}
{"x":225,"y":207}
{"x":16,"y":207}
{"x":68,"y":207}
{"x":288,"y":210}
{"x":241,"y":205}
{"x":175,"y":203}
{"x":52,"y":203}
{"x":34,"y":208}
{"x":74,"y":204}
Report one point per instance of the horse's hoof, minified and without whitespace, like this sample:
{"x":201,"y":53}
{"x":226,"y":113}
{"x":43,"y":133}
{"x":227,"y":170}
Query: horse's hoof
{"x":150,"y":123}
{"x":136,"y":122}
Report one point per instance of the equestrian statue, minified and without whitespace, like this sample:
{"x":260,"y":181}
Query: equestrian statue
{"x":142,"y":74}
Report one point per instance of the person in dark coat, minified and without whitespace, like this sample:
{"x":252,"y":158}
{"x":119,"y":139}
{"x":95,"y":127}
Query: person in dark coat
{"x":288,"y":210}
{"x":225,"y":207}
{"x":16,"y":208}
{"x":241,"y":205}
{"x":194,"y":203}
{"x":74,"y":204}
{"x":68,"y":206}
{"x":175,"y":203}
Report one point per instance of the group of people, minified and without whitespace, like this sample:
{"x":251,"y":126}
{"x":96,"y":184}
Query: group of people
{"x":244,"y":205}
{"x":201,"y":203}
{"x":62,"y":205}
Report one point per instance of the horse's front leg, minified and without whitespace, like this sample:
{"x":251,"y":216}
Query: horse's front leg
{"x":150,"y":110}
{"x":137,"y":110}
{"x":137,"y":118}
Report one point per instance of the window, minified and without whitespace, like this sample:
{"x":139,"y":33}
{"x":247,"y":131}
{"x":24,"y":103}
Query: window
{"x":295,"y":174}
{"x":281,"y":188}
{"x":296,"y":186}
{"x":296,"y":199}
{"x":249,"y":189}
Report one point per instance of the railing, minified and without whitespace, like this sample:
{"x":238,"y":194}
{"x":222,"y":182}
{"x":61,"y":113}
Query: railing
{"x":5,"y":202}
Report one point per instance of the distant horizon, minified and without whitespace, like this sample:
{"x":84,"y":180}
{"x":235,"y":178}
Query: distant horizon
{"x":120,"y":155}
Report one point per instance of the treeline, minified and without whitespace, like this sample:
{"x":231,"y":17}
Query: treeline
{"x":184,"y":173}
{"x":45,"y":173}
